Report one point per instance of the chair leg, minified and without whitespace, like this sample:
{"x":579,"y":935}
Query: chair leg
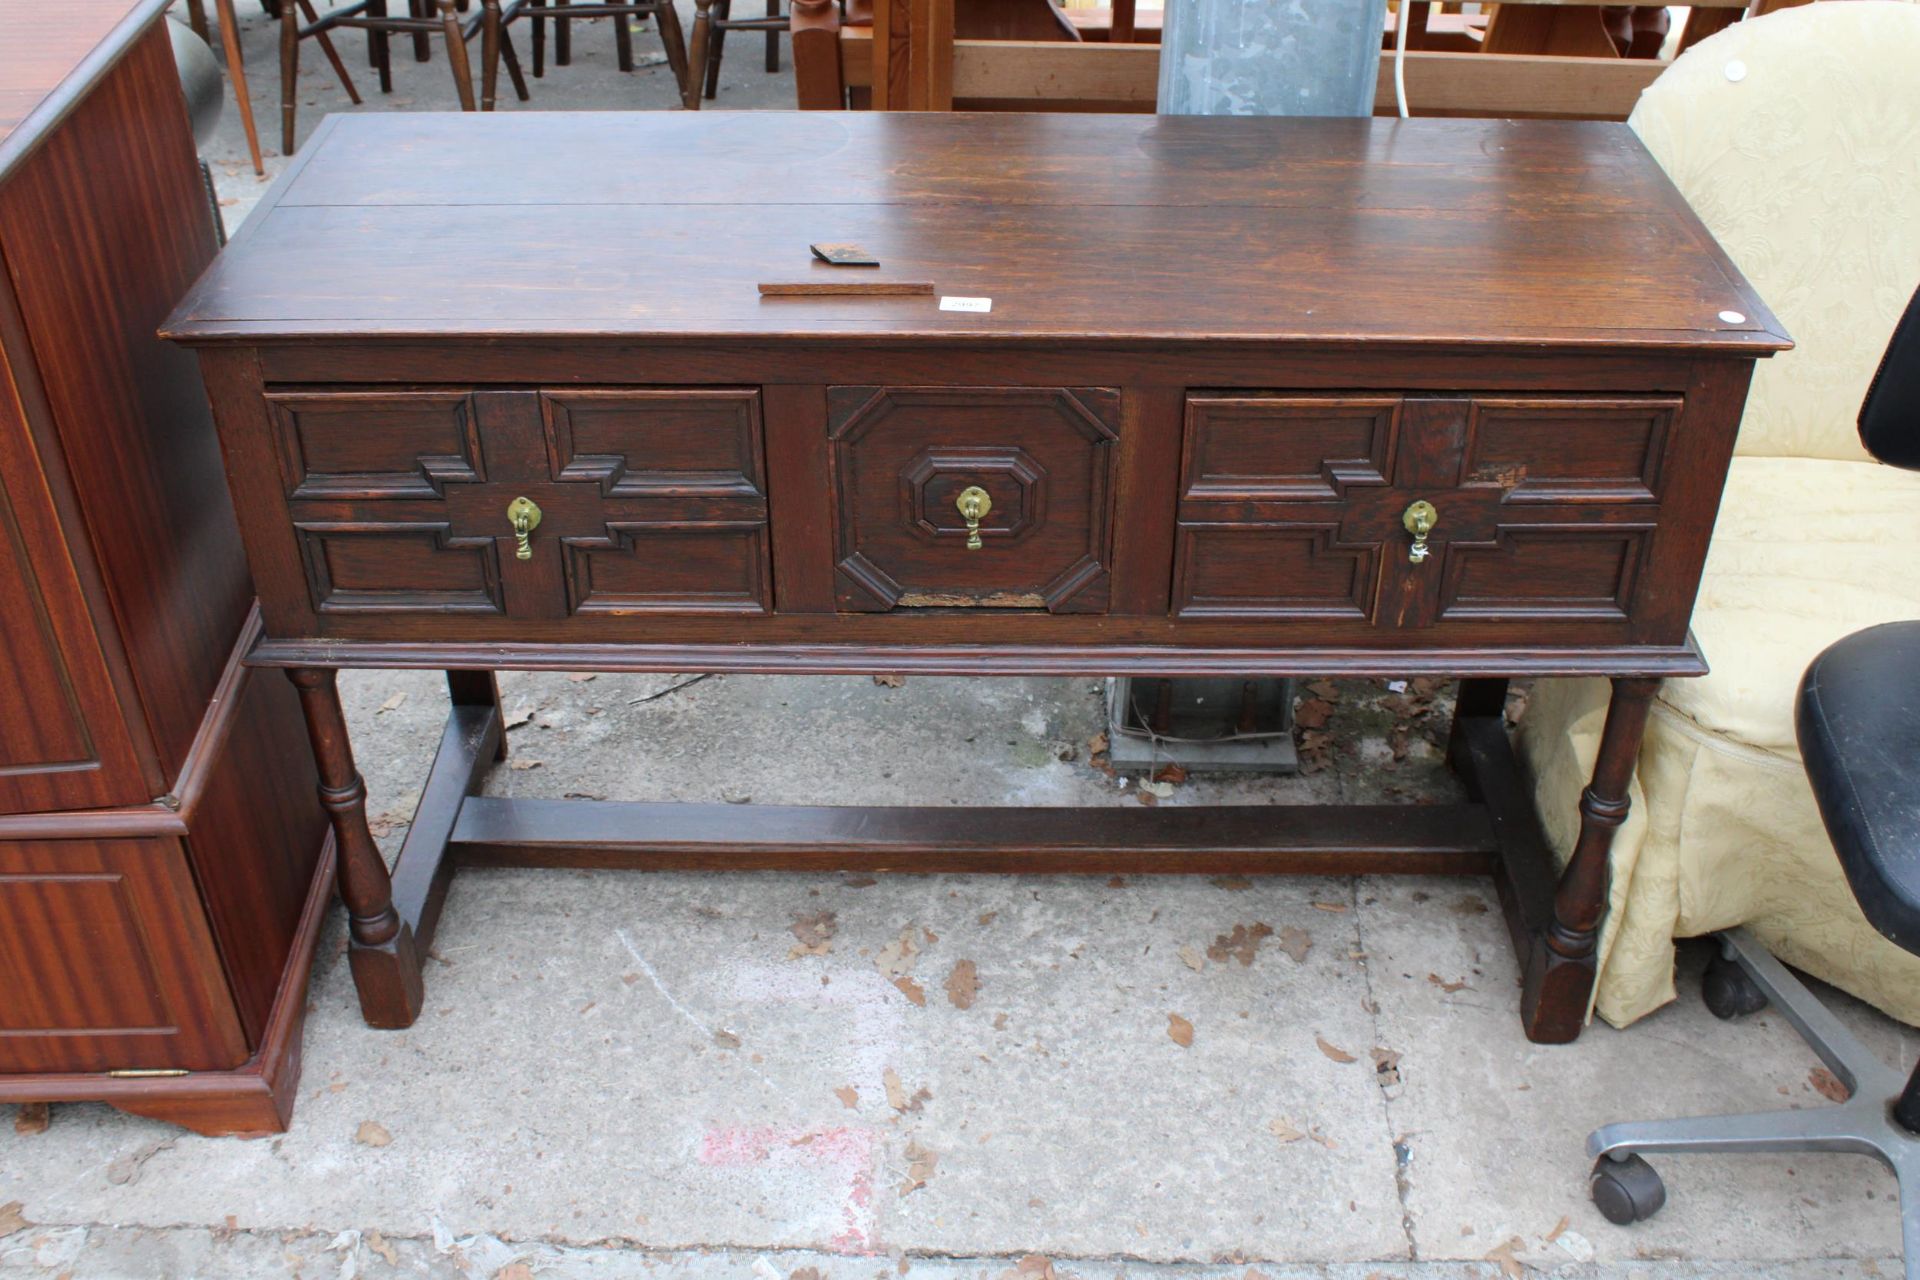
{"x":537,"y":18}
{"x":512,"y":59}
{"x":1816,"y":1129}
{"x":379,"y":45}
{"x":422,"y":44}
{"x":489,"y":51}
{"x":666,"y":19}
{"x":697,"y":54}
{"x":773,"y":38}
{"x":333,"y":55}
{"x":289,"y":72}
{"x":237,"y":74}
{"x":562,"y":37}
{"x":725,"y":8}
{"x":197,"y":19}
{"x":623,"y":41}
{"x":457,"y":54}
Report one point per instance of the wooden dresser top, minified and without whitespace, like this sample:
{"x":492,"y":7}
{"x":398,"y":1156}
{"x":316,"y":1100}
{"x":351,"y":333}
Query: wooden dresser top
{"x":1103,"y":228}
{"x":50,"y":52}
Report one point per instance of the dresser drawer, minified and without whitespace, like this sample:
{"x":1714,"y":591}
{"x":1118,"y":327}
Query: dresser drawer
{"x":1540,"y":509}
{"x":968,"y":497}
{"x":639,"y":500}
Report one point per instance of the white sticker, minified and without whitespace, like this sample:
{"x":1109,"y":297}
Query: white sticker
{"x":1733,"y":317}
{"x":966,"y":304}
{"x":1736,"y":71}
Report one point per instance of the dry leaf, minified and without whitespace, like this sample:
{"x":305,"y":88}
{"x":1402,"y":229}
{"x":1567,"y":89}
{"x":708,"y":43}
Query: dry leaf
{"x":581,"y":677}
{"x":1386,"y":1067}
{"x":1239,"y":945}
{"x":726,"y":1039}
{"x":806,"y":1273}
{"x":1333,"y":1051}
{"x":963,"y":985}
{"x":1035,"y":1266}
{"x":1284,"y":1131}
{"x":1312,"y":713}
{"x":815,"y":934}
{"x":520,"y":715}
{"x":11,"y":1219}
{"x":1448,"y":987}
{"x":1171,"y":774}
{"x":1558,"y":1228}
{"x":1296,"y":943}
{"x":522,"y":763}
{"x":849,"y":1096}
{"x":372,"y":1134}
{"x":33,"y":1117}
{"x":378,"y":1243}
{"x":1827,"y":1085}
{"x":1510,"y":1266}
{"x":890,"y":680}
{"x":920,"y":1162}
{"x":897,"y":1092}
{"x":1194,"y":960}
{"x":1338,"y":908}
{"x":912,"y":990}
{"x":1097,"y":745}
{"x":1179,"y":1030}
{"x":896,"y":958}
{"x":393,"y":703}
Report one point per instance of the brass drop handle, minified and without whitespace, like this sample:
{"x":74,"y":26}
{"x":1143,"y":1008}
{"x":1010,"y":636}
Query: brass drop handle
{"x":1419,"y":521}
{"x":526,"y":518}
{"x":974,"y":504}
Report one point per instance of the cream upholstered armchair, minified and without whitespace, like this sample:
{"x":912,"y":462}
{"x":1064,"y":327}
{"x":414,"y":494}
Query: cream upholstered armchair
{"x":1797,"y":138}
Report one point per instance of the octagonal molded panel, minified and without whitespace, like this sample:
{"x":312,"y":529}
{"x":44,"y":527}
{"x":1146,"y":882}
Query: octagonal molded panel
{"x":902,"y":455}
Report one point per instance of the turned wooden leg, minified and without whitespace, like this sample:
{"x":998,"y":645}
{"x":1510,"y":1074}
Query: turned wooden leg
{"x":422,"y":43}
{"x":723,"y":10}
{"x":773,"y":38}
{"x":325,"y":42}
{"x":1564,"y":965}
{"x":537,"y":18}
{"x":379,"y":47}
{"x":666,"y":20}
{"x":386,"y":965}
{"x":562,"y":38}
{"x":457,"y":54}
{"x":623,"y":41}
{"x":289,"y":72}
{"x":698,"y":53}
{"x":237,"y":75}
{"x":489,"y":52}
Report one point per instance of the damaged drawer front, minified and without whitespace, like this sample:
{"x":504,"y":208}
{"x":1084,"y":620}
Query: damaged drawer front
{"x":634,"y":500}
{"x":1536,"y":509}
{"x":972,"y":497}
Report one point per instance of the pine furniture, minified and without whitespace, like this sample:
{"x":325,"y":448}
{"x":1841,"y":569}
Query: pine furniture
{"x":1250,"y":397}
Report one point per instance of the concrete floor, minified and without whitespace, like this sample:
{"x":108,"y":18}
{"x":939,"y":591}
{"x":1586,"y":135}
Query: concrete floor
{"x":625,"y":1075}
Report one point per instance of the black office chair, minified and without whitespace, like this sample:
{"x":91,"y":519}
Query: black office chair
{"x":1858,"y":722}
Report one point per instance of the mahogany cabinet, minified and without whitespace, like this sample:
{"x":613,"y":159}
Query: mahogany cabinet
{"x":163,"y":859}
{"x":1188,"y":396}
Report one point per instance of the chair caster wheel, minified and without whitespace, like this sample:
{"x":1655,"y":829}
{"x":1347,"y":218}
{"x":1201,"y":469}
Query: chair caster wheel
{"x":1729,"y":992}
{"x":1626,"y":1191}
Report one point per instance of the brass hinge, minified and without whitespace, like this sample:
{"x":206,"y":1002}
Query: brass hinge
{"x":146,"y":1073}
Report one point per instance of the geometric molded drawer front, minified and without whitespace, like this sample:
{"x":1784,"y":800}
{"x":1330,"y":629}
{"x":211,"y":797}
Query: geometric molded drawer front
{"x":1277,"y":571}
{"x":1295,"y":507}
{"x":902,"y":458}
{"x":375,"y":444}
{"x":1542,"y":572}
{"x":379,"y":568}
{"x":1562,"y":448}
{"x":646,"y":568}
{"x":1286,"y":447}
{"x":663,"y":443}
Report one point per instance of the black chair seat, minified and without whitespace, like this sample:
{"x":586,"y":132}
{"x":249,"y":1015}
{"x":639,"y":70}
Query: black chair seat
{"x":1858,"y":722}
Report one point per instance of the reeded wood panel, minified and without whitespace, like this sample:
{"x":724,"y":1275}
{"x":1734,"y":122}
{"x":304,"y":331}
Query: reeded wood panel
{"x":107,"y":962}
{"x":903,"y":455}
{"x":62,"y":742}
